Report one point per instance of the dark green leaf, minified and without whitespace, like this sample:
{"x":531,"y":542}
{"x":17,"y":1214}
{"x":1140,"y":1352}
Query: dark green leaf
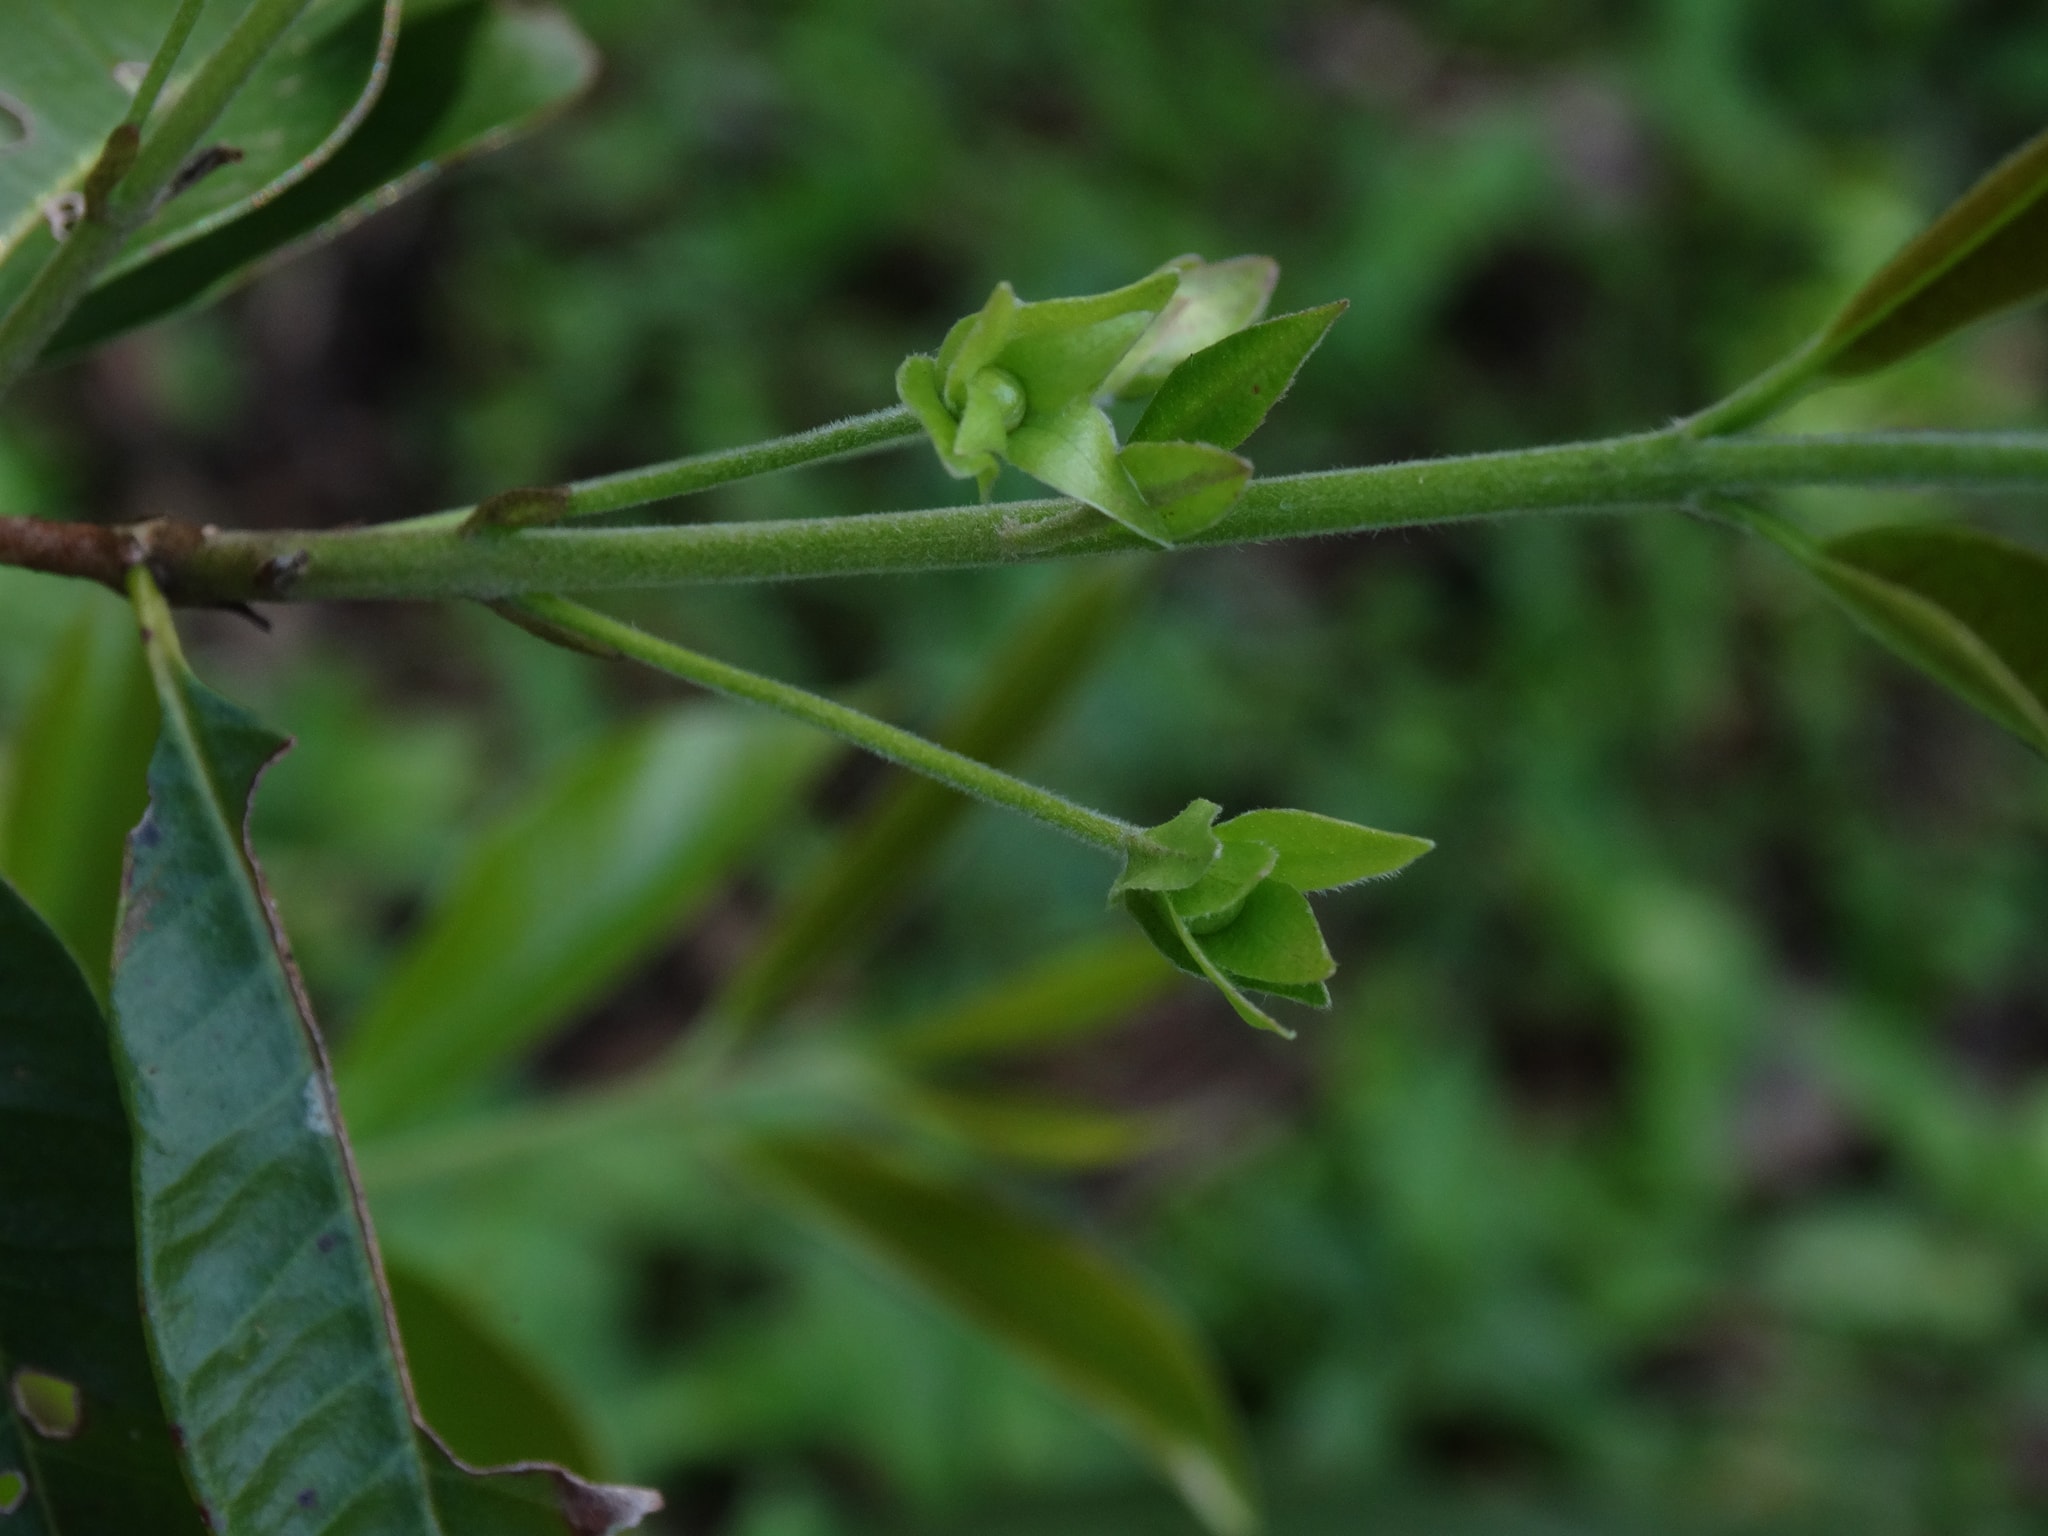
{"x":276,"y":1352}
{"x":1089,"y":1323}
{"x":67,"y":1259}
{"x":1321,"y":853}
{"x":1222,"y":393}
{"x":489,"y":1404}
{"x":1076,"y":991}
{"x":467,"y":78}
{"x":67,"y":80}
{"x":77,"y":782}
{"x":1988,"y":252}
{"x":1968,"y":609}
{"x":1176,"y":853}
{"x":577,"y":885}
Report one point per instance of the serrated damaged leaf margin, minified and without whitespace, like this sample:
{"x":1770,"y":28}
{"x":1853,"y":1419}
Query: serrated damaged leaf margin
{"x":209,"y":761}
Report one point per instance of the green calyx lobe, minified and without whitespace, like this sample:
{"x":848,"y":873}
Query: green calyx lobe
{"x":1225,"y":902}
{"x":1024,"y":383}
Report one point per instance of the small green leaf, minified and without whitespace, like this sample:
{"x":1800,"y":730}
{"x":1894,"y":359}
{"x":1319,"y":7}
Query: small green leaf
{"x":1176,"y":853}
{"x":1219,"y":895}
{"x":1273,"y":939}
{"x":1988,"y":252}
{"x":488,"y":1402}
{"x":575,"y":886}
{"x":1189,"y":486}
{"x":466,"y":78}
{"x":68,"y":1310}
{"x":1157,"y":915}
{"x":1075,"y":452}
{"x":1089,"y":1323}
{"x":76,"y":788}
{"x":1321,"y":853}
{"x":975,"y":342}
{"x":1222,"y":393}
{"x":917,"y":386}
{"x":1077,"y":990}
{"x":1969,"y":610}
{"x":1214,"y":300}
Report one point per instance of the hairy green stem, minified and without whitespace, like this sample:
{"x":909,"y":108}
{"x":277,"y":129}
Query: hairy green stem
{"x":1661,"y":469}
{"x":849,"y":439}
{"x":1762,"y":397}
{"x":933,"y":761}
{"x":70,"y":270}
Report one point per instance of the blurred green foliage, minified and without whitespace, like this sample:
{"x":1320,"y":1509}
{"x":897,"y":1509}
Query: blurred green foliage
{"x":1677,"y":1158}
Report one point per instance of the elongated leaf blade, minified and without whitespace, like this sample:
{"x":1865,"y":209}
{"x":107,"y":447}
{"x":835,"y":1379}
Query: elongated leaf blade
{"x":77,"y":787}
{"x":1222,"y":393}
{"x":1968,"y":609}
{"x":1089,"y":1323}
{"x":577,"y":885}
{"x":277,"y":1355}
{"x":1988,"y":252}
{"x":488,"y":1402}
{"x":1073,"y":992}
{"x":67,"y":1258}
{"x":257,"y":1268}
{"x":466,"y":79}
{"x":66,"y":82}
{"x":1035,"y":1130}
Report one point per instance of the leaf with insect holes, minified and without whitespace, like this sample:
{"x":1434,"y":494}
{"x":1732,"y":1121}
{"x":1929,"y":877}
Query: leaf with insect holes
{"x":67,"y":84}
{"x":1222,"y":393}
{"x":268,"y":1321}
{"x":68,"y":1313}
{"x":1321,"y":853}
{"x":1987,"y":252}
{"x":1967,"y":609}
{"x":467,"y":78}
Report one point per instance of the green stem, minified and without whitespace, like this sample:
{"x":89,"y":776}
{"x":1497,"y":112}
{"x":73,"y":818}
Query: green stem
{"x":71,"y":269}
{"x":849,"y":439}
{"x":898,"y":746}
{"x":160,"y":67}
{"x":1762,"y":397}
{"x":1654,"y":470}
